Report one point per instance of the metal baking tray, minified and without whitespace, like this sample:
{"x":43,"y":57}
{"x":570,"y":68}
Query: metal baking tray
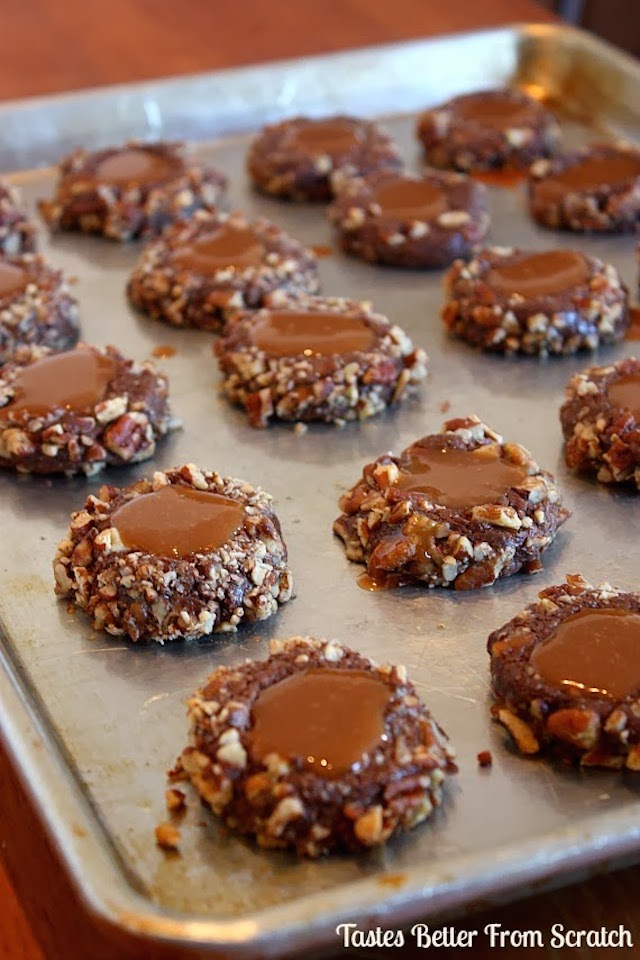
{"x":92,"y":722}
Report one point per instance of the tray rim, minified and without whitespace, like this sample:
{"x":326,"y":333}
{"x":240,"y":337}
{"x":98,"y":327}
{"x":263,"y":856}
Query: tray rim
{"x":283,"y":929}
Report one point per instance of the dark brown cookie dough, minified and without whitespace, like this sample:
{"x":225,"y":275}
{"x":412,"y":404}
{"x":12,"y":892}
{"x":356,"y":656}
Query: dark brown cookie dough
{"x":77,"y":411}
{"x":17,"y":232}
{"x":296,"y":158}
{"x":407,"y":220}
{"x":549,"y":302}
{"x":316,"y":359}
{"x":315,"y":749}
{"x":201,"y":272}
{"x":596,"y":189}
{"x":566,"y":675}
{"x":487,"y":130}
{"x":131,"y":191}
{"x":460,"y":508}
{"x":36,"y":306}
{"x":185,"y":554}
{"x":601,"y":422}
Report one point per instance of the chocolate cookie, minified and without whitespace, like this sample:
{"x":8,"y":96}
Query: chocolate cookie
{"x":595,"y":189}
{"x":296,"y":158}
{"x":601,"y":422}
{"x":487,"y":130}
{"x":17,"y":232}
{"x":131,"y":191}
{"x":36,"y":306}
{"x":199,"y":273}
{"x":566,"y":677}
{"x":550,"y":302}
{"x":409,"y":221}
{"x":316,"y":359}
{"x":185,"y":554}
{"x":316,"y":749}
{"x":458,"y":508}
{"x":77,"y":411}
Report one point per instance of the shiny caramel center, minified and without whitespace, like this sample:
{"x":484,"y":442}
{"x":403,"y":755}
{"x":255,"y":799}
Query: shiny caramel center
{"x":177,"y":521}
{"x":625,"y":393}
{"x":134,"y":165}
{"x":328,"y":718}
{"x":538,"y":274}
{"x":456,"y":478}
{"x":411,"y":199}
{"x":594,"y":172}
{"x":496,"y":110}
{"x":74,"y":381}
{"x":290,"y":334}
{"x":13,"y":280}
{"x":593,"y":653}
{"x":225,"y":247}
{"x":327,"y":136}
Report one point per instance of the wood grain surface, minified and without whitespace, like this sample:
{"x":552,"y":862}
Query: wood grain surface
{"x":49,"y":46}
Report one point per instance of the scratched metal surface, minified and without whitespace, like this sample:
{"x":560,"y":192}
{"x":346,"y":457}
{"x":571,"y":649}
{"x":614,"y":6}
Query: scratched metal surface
{"x":95,"y":722}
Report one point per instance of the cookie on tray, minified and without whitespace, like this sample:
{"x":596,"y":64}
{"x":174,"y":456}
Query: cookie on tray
{"x":566,"y":678}
{"x":596,"y":189}
{"x":487,"y":130}
{"x":322,"y":359}
{"x":544,"y":302}
{"x":199,"y":273}
{"x":296,"y":158}
{"x":316,"y":749}
{"x":130,"y":191}
{"x":36,"y":306}
{"x":17,"y":232}
{"x":460,"y":508}
{"x":409,"y":221}
{"x":77,"y":411}
{"x":183,"y":555}
{"x":601,"y":422}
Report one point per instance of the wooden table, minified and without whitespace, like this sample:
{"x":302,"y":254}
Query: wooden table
{"x":48,"y":46}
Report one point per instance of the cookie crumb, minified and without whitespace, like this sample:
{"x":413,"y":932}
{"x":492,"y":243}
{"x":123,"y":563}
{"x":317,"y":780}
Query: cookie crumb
{"x":175,"y":800}
{"x":484,"y":758}
{"x":167,"y":836}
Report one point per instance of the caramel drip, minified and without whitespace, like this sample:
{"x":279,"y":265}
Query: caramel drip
{"x":633,"y":330}
{"x":134,"y":165}
{"x":505,"y":177}
{"x":314,"y":333}
{"x":457,"y":478}
{"x":226,"y":247}
{"x":74,"y":381}
{"x":409,"y":199}
{"x":497,"y":110}
{"x":325,"y":717}
{"x":13,"y":280}
{"x":624,"y":393}
{"x":177,"y":521}
{"x":594,"y":172}
{"x":327,"y":136}
{"x":538,"y":274}
{"x":593,"y":653}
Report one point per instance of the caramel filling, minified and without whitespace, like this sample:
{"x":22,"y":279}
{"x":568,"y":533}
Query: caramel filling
{"x":225,"y":247}
{"x":496,"y":110}
{"x":538,"y":274}
{"x":74,"y":381}
{"x":625,"y":393}
{"x":176,"y":521}
{"x":456,"y":478}
{"x":328,"y":718}
{"x":594,"y":172}
{"x":13,"y":280}
{"x":593,"y":653}
{"x":328,"y":136}
{"x":134,"y":165}
{"x":411,"y":199}
{"x":289,"y":334}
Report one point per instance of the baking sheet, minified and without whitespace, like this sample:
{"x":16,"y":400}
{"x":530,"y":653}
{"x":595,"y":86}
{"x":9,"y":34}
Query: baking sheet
{"x":94,"y":721}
